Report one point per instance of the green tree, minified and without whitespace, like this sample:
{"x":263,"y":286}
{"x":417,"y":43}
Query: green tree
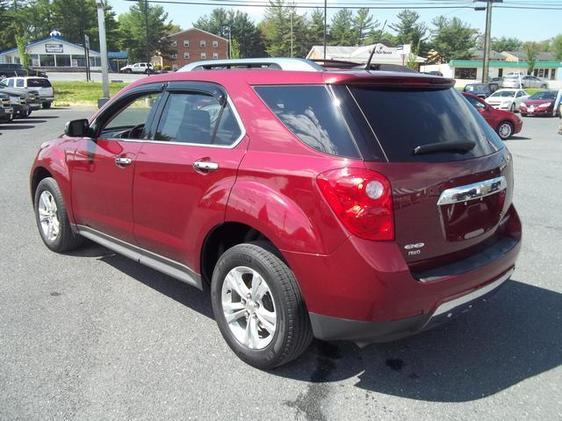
{"x":363,"y":25}
{"x":315,"y":29}
{"x":506,"y":44}
{"x":276,"y":29}
{"x":409,"y":30}
{"x":556,"y":47}
{"x":243,"y":30}
{"x":341,"y":28}
{"x":532,"y":50}
{"x":134,"y":31}
{"x":452,"y":38}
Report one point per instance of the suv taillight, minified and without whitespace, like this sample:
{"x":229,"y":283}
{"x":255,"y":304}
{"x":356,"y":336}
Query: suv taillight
{"x":362,"y":200}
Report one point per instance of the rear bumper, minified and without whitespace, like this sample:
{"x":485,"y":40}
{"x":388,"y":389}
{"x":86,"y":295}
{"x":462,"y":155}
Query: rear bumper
{"x":366,"y":292}
{"x":537,"y":111}
{"x":331,"y":328}
{"x":47,"y":98}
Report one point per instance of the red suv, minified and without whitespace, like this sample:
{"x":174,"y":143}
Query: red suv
{"x":341,"y":205}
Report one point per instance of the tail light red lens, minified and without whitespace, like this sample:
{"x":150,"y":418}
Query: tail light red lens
{"x":362,"y":200}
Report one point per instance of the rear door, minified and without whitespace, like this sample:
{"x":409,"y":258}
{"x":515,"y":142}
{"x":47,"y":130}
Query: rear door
{"x":183,"y":176}
{"x":447,"y":201}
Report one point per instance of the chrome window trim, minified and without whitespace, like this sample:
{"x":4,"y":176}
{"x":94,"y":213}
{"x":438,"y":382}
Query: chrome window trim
{"x":162,"y":142}
{"x":472,"y":191}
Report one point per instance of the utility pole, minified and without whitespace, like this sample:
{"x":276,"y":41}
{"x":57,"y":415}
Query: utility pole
{"x":147,"y":52}
{"x":487,"y":37}
{"x":103,"y":52}
{"x":325,"y":25}
{"x":292,"y":35}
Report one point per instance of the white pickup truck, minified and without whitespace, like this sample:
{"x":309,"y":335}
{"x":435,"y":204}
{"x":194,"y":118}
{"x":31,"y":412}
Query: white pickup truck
{"x":137,"y":68}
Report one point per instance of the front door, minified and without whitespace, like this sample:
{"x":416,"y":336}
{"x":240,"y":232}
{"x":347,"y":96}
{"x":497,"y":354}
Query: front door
{"x":103,"y":167}
{"x":184,"y":175}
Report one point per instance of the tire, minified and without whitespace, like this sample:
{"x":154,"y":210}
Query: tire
{"x":289,"y":333}
{"x":62,"y":238}
{"x":523,"y":114}
{"x":46,"y":105}
{"x":505,"y":130}
{"x":128,"y":71}
{"x":544,"y":86}
{"x":512,"y":108}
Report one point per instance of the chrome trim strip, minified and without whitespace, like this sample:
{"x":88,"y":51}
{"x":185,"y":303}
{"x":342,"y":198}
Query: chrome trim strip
{"x":450,"y":305}
{"x":472,"y":191}
{"x":155,"y":261}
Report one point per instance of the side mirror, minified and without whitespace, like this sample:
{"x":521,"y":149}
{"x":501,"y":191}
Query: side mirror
{"x":77,"y":128}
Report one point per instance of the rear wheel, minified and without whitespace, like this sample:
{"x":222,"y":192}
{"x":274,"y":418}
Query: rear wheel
{"x":505,"y":130}
{"x":52,"y":219}
{"x":46,"y":105}
{"x":258,"y":306}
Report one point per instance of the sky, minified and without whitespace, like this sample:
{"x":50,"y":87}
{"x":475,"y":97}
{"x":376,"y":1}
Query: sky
{"x":527,"y":25}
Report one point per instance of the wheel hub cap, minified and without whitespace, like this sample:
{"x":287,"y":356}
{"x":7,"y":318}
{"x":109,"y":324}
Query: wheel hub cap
{"x":248,"y":307}
{"x":48,"y":217}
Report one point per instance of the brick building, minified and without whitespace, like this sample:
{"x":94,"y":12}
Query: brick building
{"x":194,"y":45}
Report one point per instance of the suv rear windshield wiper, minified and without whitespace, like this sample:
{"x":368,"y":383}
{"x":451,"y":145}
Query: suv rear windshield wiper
{"x":461,"y":147}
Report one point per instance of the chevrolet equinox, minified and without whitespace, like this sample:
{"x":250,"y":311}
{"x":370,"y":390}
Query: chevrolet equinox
{"x":333,"y":204}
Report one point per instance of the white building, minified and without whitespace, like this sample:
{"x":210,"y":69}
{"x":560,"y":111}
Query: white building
{"x":383,"y":54}
{"x":54,"y":53}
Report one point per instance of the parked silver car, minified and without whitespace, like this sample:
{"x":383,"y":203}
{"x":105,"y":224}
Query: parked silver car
{"x":527,"y":81}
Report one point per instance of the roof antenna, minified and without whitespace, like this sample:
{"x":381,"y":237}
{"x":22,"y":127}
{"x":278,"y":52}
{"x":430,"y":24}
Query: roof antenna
{"x":368,"y":65}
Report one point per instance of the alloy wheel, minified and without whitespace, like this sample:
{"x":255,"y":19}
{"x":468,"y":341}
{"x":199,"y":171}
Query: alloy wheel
{"x":47,"y":209}
{"x":505,"y":130}
{"x":249,"y":308}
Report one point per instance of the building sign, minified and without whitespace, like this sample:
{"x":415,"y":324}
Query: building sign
{"x":54,"y":48}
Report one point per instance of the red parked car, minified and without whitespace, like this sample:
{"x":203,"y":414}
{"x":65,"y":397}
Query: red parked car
{"x":342,"y":205}
{"x":505,"y":123}
{"x":541,"y":103}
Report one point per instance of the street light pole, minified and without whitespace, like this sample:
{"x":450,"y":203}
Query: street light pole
{"x":103,"y":52}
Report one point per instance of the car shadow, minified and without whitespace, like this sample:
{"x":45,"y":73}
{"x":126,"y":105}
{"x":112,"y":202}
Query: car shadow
{"x":27,"y":120}
{"x":515,"y":335}
{"x":512,"y":336}
{"x":518,"y":138}
{"x":16,"y":127}
{"x":46,"y":116}
{"x":179,"y":291}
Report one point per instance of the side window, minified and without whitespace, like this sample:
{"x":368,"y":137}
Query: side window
{"x":11,"y":83}
{"x":475,"y":103}
{"x":197,"y":118}
{"x":129,"y":122}
{"x":520,"y":94}
{"x":313,"y":115}
{"x":20,"y":83}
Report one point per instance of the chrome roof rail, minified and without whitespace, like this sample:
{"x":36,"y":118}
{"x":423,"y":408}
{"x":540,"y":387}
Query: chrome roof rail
{"x":273,"y":63}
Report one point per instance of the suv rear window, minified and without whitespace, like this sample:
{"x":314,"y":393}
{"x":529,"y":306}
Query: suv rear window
{"x":312,"y":114}
{"x":38,"y":83}
{"x":403,"y":119}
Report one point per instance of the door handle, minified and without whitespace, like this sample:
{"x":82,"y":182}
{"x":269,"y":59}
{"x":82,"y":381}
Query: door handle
{"x":122,"y":161}
{"x":205,"y":166}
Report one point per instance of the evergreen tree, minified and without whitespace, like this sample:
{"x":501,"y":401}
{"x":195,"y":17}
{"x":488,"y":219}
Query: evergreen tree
{"x":341,"y":28}
{"x":453,"y":39}
{"x":134,"y":32}
{"x":410,"y":31}
{"x":363,"y":25}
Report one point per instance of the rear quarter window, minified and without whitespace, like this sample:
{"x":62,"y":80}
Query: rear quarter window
{"x":38,"y":83}
{"x":402,"y":119}
{"x":311,"y":114}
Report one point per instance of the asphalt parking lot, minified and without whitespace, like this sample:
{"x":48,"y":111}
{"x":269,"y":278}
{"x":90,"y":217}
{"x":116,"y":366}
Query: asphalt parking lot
{"x":92,"y":335}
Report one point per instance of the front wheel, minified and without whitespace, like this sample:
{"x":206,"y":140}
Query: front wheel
{"x":512,"y":108}
{"x":505,"y":130}
{"x":258,"y":306}
{"x":52,"y":219}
